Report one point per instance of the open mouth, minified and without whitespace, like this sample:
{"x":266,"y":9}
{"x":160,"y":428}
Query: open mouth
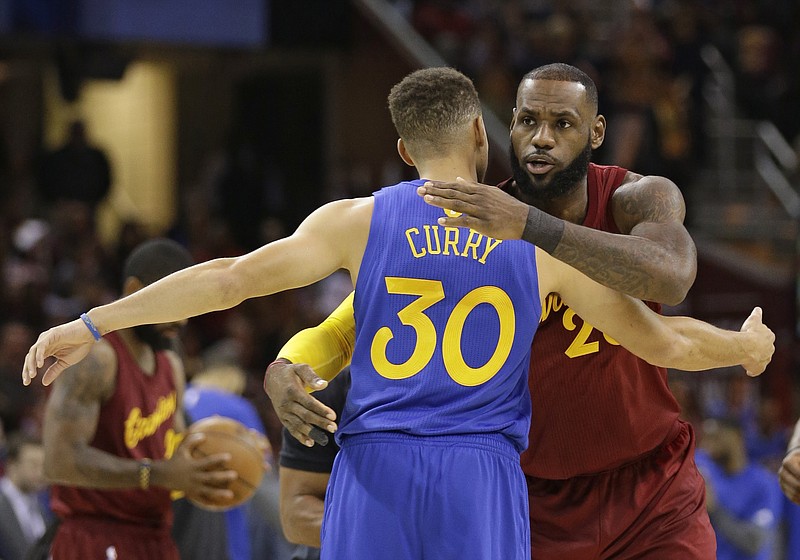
{"x":539,"y":167}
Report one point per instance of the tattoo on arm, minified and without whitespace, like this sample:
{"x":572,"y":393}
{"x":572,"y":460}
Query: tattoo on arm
{"x":655,"y":261}
{"x":72,"y":416}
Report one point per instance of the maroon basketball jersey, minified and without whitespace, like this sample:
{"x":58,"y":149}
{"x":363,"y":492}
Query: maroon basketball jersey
{"x":137,"y":422}
{"x":595,"y":405}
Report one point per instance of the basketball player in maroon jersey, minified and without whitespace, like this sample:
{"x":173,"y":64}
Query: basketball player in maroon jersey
{"x":112,"y":423}
{"x":610,"y":466}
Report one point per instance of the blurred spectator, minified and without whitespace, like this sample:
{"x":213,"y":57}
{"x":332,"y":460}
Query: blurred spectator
{"x":766,"y":437}
{"x":743,"y":499}
{"x":77,"y":174}
{"x":27,"y":272}
{"x":17,"y":404}
{"x":446,"y":25}
{"x":640,"y":90}
{"x":791,"y":530}
{"x":764,"y":87}
{"x":250,"y":189}
{"x":23,"y":511}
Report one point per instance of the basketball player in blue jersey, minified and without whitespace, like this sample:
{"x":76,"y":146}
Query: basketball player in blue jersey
{"x":438,"y":409}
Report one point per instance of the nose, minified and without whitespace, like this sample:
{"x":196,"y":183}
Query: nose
{"x":543,"y":137}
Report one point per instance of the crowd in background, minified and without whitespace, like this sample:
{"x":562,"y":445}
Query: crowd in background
{"x":647,"y":64}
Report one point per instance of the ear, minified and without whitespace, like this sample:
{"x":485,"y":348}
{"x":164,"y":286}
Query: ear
{"x":513,"y":120}
{"x":131,"y":284}
{"x":479,"y":128}
{"x":598,"y":133}
{"x":403,"y":151}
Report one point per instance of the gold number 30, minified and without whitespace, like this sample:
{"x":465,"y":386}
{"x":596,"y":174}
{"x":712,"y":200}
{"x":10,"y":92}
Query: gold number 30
{"x":431,"y":292}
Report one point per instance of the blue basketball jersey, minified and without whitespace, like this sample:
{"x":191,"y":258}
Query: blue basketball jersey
{"x":444,"y":322}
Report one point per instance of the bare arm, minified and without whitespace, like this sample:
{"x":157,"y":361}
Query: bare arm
{"x":675,"y":342}
{"x":653,"y":259}
{"x":71,"y":421}
{"x":302,"y":505}
{"x":332,"y":237}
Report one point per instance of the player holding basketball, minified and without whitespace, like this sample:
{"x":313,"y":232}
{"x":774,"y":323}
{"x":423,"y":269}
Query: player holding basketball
{"x":111,"y":425}
{"x":435,"y":418}
{"x":608,"y":454}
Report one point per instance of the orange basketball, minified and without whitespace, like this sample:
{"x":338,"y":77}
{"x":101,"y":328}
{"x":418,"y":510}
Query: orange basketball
{"x":246,"y":448}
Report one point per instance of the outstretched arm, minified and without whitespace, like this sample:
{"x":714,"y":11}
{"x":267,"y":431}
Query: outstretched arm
{"x":654,"y":258}
{"x":675,"y":342}
{"x":333,"y":237}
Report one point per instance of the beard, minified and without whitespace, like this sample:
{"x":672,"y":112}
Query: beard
{"x":151,"y":336}
{"x":557,"y":184}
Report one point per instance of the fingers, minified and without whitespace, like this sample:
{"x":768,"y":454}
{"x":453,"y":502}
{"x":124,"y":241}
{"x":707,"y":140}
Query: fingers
{"x":28,"y":368}
{"x":306,"y":407}
{"x":214,"y":487}
{"x":53,"y":372}
{"x":216,"y":465}
{"x":309,"y":378}
{"x":790,"y":484}
{"x":458,"y":189}
{"x":305,"y":417}
{"x":190,"y":443}
{"x":318,"y":436}
{"x":210,"y":495}
{"x":458,"y":197}
{"x":307,"y":432}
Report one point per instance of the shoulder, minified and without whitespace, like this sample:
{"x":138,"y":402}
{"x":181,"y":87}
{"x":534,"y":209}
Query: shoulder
{"x":344,"y":213}
{"x":650,"y":198}
{"x":646,"y":188}
{"x":94,"y":377}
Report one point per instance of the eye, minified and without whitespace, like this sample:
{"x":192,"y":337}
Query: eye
{"x":528,"y":121}
{"x":564,"y":124}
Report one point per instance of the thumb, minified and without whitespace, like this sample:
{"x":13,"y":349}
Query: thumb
{"x":311,"y":379}
{"x":53,"y":372}
{"x":755,"y":318}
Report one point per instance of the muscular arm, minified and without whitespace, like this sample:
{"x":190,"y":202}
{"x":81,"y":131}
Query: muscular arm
{"x":333,"y":237}
{"x":675,"y":342}
{"x":302,"y":505}
{"x":70,"y":423}
{"x":653,"y":259}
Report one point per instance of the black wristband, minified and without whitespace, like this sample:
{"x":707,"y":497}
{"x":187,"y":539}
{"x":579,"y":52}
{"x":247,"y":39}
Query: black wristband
{"x":543,"y":230}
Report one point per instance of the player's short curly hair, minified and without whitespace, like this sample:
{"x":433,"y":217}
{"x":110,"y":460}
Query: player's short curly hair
{"x":430,"y":107}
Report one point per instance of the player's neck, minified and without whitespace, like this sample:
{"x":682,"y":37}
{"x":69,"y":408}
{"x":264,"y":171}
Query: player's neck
{"x":447,"y":169}
{"x":142,"y":352}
